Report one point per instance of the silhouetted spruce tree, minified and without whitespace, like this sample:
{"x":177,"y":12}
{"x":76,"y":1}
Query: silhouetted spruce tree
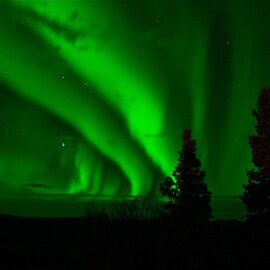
{"x":189,"y":197}
{"x":256,"y":194}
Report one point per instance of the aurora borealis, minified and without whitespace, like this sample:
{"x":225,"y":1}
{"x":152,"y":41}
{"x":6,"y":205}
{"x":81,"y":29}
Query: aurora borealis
{"x":95,"y":94}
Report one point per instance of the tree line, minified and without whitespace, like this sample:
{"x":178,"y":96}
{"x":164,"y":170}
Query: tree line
{"x":188,"y":194}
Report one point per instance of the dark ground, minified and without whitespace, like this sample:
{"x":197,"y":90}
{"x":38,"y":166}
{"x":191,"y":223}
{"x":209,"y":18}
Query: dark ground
{"x":77,"y":243}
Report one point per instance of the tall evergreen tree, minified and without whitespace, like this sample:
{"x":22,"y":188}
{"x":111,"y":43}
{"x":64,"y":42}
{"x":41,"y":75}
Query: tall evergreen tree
{"x":189,"y":198}
{"x":256,"y":194}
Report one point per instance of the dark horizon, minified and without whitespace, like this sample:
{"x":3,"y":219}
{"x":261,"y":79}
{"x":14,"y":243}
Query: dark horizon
{"x":62,"y":205}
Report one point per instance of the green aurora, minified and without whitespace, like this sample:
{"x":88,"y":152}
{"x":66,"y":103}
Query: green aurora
{"x":95,"y":94}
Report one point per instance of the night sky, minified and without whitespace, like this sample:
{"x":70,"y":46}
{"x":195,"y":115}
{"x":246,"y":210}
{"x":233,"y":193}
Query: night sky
{"x":95,"y":95}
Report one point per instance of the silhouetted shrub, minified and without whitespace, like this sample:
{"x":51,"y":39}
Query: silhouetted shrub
{"x":127,"y":208}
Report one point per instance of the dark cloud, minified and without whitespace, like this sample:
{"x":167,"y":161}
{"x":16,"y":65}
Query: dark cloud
{"x":155,"y":135}
{"x":38,"y":185}
{"x":93,"y":29}
{"x":70,"y":34}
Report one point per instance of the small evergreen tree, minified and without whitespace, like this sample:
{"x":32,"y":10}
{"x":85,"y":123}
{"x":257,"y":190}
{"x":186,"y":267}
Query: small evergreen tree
{"x":189,"y":198}
{"x":256,"y":194}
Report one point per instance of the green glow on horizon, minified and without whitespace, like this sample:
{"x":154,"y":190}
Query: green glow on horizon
{"x":125,"y":79}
